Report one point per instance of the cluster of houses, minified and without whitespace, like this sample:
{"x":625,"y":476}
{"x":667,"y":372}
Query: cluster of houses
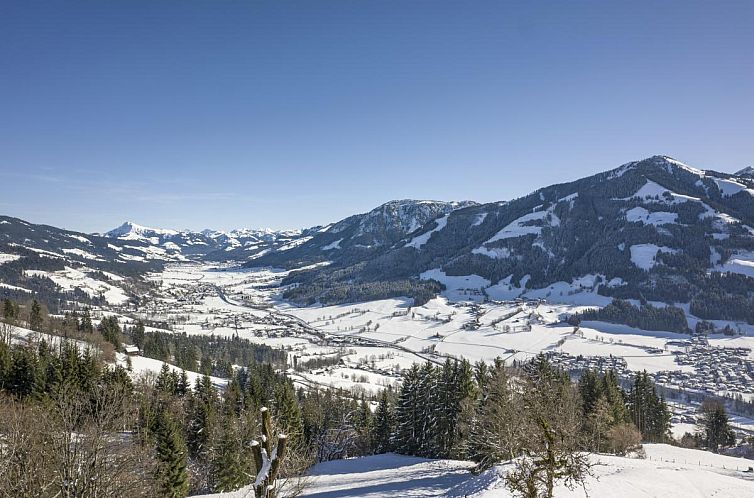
{"x":717,"y":369}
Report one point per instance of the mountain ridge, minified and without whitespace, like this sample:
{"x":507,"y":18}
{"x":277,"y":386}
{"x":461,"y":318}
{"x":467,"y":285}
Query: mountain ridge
{"x":655,"y":229}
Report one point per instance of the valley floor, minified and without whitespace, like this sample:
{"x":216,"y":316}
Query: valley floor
{"x":666,"y":472}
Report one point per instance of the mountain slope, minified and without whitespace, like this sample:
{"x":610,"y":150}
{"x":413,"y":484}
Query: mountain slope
{"x":654,"y":229}
{"x":747,"y":172}
{"x":55,"y":264}
{"x":362,"y":236}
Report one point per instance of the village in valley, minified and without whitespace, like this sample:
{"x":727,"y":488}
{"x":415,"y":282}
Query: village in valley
{"x":364,"y":347}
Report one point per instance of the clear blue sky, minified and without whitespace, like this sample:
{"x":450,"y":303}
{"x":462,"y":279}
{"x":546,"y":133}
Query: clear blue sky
{"x":222,"y":114}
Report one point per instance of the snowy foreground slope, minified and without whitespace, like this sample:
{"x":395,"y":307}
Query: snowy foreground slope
{"x":666,"y":472}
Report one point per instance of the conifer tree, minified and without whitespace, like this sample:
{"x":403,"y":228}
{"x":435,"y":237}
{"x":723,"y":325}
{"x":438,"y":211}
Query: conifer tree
{"x":649,"y":412}
{"x":183,"y":384}
{"x":615,"y":397}
{"x":288,"y":412}
{"x":405,"y":439}
{"x":165,"y":382}
{"x":137,"y":334}
{"x":23,"y":372}
{"x":589,"y":389}
{"x":9,"y":311}
{"x":228,"y":464}
{"x":35,"y":316}
{"x":86,"y":322}
{"x":364,"y":427}
{"x":428,"y":393}
{"x":171,"y":476}
{"x":6,"y":364}
{"x":383,"y":425}
{"x":494,"y":432}
{"x":714,"y":428}
{"x":202,"y":420}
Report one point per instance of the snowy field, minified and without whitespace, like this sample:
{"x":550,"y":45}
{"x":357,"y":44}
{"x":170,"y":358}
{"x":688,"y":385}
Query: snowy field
{"x":666,"y":472}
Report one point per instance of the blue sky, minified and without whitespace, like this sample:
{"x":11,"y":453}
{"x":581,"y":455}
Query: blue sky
{"x":222,"y":114}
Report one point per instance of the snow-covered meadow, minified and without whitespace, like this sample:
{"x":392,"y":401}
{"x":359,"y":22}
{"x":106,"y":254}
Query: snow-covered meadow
{"x":666,"y":471}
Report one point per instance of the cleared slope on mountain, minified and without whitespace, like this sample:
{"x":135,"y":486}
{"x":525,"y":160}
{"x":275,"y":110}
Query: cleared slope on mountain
{"x":362,"y":236}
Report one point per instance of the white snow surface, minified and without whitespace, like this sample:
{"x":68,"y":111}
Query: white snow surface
{"x":641,"y":215}
{"x":667,"y":472}
{"x":141,"y":365}
{"x":521,"y":226}
{"x":7,"y":258}
{"x":742,"y":262}
{"x":643,"y":255}
{"x":72,"y":278}
{"x":422,"y":239}
{"x":731,"y":187}
{"x":332,"y":245}
{"x":456,"y":286}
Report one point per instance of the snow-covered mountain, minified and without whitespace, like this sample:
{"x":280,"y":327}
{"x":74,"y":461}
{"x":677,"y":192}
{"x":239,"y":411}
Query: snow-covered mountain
{"x":361,"y":236}
{"x":747,"y":172}
{"x":655,"y":229}
{"x":209,"y":244}
{"x":56,"y":264}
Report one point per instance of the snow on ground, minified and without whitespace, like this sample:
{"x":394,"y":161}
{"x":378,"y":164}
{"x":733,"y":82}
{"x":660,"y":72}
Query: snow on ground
{"x":374,"y":341}
{"x":742,"y":262}
{"x":422,"y":239}
{"x":7,"y":258}
{"x":657,"y":218}
{"x":524,"y":226}
{"x":441,"y":326}
{"x":346,"y":378}
{"x":141,"y":365}
{"x":656,"y":193}
{"x":71,"y":278}
{"x":667,"y":472}
{"x":332,"y":245}
{"x":479,"y":219}
{"x":15,"y":287}
{"x":731,"y":187}
{"x":644,"y":255}
{"x":82,"y":254}
{"x":458,"y":288}
{"x":493,"y":252}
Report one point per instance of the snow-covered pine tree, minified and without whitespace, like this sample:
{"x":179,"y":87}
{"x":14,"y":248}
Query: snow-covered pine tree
{"x":171,"y":475}
{"x":383,"y":425}
{"x":405,"y":437}
{"x":429,"y":396}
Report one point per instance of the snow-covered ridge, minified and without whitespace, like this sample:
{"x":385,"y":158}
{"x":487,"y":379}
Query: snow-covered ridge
{"x":131,"y":231}
{"x":239,"y":243}
{"x":746,"y":172}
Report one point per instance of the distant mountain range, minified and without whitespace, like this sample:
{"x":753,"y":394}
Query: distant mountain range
{"x":213,"y":245}
{"x":651,"y":230}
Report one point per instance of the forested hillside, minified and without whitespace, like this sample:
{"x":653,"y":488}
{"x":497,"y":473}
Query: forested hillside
{"x":652,"y":230}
